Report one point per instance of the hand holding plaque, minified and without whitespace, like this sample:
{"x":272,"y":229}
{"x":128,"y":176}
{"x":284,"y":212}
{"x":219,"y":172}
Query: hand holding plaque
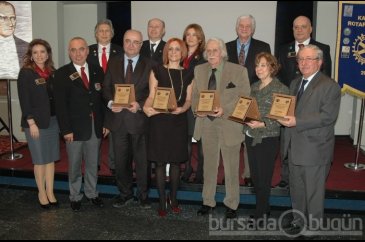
{"x":246,"y":110}
{"x":165,"y":100}
{"x":124,"y":95}
{"x":208,"y":102}
{"x":282,"y":105}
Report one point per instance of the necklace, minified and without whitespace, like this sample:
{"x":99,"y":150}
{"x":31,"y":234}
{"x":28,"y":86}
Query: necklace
{"x":172,"y":84}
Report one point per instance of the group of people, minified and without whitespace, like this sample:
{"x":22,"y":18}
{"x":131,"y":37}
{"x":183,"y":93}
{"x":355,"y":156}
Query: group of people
{"x":77,"y":101}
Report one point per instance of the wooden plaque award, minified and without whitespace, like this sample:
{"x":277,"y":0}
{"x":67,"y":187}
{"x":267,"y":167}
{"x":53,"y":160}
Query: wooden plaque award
{"x":282,"y":105}
{"x":165,"y":100}
{"x":246,"y":110}
{"x":124,"y":95}
{"x":208,"y":102}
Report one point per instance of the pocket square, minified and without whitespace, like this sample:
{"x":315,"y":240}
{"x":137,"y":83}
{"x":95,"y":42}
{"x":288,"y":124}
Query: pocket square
{"x":230,"y":85}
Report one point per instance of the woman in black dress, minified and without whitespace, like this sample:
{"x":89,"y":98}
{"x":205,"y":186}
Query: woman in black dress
{"x":168,"y":131}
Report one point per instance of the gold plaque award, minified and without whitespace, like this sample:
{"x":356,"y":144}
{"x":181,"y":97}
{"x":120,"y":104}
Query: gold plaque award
{"x":282,"y":105}
{"x":165,"y":100}
{"x":246,"y":110}
{"x":124,"y":95}
{"x":208,"y":102}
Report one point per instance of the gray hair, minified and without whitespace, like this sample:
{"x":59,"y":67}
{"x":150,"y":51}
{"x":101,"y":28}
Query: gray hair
{"x":107,"y":22}
{"x":318,"y":51}
{"x":249,"y":16}
{"x":222,"y":47}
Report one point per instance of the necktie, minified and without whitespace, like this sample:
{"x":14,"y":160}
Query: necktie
{"x":84,"y":78}
{"x":241,"y":56}
{"x":104,"y":61}
{"x":128,"y":76}
{"x":301,"y":90}
{"x":212,"y":85}
{"x":152,"y":50}
{"x":300,"y":46}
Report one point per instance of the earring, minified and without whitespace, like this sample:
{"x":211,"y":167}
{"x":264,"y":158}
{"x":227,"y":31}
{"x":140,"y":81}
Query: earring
{"x":31,"y":58}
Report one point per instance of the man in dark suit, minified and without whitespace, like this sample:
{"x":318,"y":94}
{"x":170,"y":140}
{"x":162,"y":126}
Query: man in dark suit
{"x":79,"y":110}
{"x":153,"y":47}
{"x":13,"y":48}
{"x":245,"y":28}
{"x":100,"y":54}
{"x":302,"y":30}
{"x":309,"y":137}
{"x":129,"y":124}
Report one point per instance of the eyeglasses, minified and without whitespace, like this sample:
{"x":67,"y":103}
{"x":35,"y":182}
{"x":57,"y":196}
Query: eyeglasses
{"x":130,"y":42}
{"x":7,"y":18}
{"x":300,"y":60}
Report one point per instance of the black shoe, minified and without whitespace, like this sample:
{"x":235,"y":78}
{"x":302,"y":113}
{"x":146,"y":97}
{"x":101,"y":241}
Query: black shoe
{"x":204,"y":210}
{"x":76,"y":205}
{"x":230,"y":213}
{"x":145,"y":203}
{"x":248,"y":182}
{"x":122,"y":201}
{"x":282,"y":184}
{"x":55,"y":204}
{"x":96,"y":201}
{"x":185,"y":179}
{"x":45,"y":206}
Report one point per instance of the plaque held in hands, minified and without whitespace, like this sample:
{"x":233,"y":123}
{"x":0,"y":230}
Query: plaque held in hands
{"x":208,"y":102}
{"x":165,"y":100}
{"x":124,"y":95}
{"x":246,"y":110}
{"x":282,"y":105}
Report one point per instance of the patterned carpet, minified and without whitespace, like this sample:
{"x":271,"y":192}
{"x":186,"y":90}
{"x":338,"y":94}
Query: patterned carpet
{"x":5,"y":144}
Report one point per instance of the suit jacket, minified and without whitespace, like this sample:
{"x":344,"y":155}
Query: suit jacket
{"x":289,"y":66}
{"x":33,"y":98}
{"x":93,"y":57}
{"x":256,"y":46}
{"x":134,"y":123}
{"x":234,"y":83}
{"x":312,"y":140}
{"x":75,"y":105}
{"x":21,"y":49}
{"x":157,"y":56}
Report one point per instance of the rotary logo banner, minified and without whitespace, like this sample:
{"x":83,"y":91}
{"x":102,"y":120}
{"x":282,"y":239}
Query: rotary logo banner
{"x":350,"y":48}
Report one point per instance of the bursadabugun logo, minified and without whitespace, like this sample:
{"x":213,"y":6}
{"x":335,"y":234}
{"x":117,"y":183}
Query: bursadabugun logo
{"x":292,"y":223}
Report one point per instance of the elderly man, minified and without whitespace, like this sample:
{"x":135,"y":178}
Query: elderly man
{"x":79,"y":110}
{"x":309,"y":135}
{"x":302,"y":29}
{"x":243,"y":51}
{"x":218,"y":134}
{"x":129,"y":125}
{"x":153,"y":47}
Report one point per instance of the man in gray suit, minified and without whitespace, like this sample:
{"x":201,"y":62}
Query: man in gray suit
{"x":218,"y":133}
{"x":309,"y":135}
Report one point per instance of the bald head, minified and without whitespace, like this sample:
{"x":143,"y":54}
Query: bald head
{"x":302,"y":28}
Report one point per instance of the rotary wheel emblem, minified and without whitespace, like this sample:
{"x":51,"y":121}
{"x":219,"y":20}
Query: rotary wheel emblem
{"x":359,"y":49}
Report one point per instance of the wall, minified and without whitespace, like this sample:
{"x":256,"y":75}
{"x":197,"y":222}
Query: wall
{"x":218,"y":19}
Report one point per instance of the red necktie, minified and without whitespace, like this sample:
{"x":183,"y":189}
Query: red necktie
{"x":84,"y":78}
{"x":104,"y":61}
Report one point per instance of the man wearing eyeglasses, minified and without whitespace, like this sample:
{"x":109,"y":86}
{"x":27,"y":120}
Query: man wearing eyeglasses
{"x":13,"y":49}
{"x":309,"y":137}
{"x":129,"y":125}
{"x":287,"y":56}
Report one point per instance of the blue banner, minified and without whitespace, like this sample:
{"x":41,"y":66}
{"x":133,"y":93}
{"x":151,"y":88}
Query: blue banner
{"x":350,"y":48}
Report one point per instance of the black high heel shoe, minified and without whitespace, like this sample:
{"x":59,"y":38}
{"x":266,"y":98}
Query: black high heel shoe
{"x":45,"y":206}
{"x":55,"y":204}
